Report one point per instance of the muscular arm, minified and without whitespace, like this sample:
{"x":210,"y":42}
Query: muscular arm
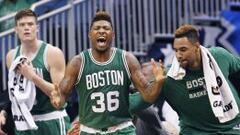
{"x":56,"y":64}
{"x":70,"y":78}
{"x":149,"y":89}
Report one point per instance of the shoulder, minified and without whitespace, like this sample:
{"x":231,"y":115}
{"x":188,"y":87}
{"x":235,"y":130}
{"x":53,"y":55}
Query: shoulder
{"x":55,"y":56}
{"x":53,"y":49}
{"x":54,"y":52}
{"x":221,"y":54}
{"x":76,"y":60}
{"x":10,"y":56}
{"x":11,"y":52}
{"x":132,"y":62}
{"x":131,"y":59}
{"x":129,"y":56}
{"x":218,"y":51}
{"x":74,"y":65}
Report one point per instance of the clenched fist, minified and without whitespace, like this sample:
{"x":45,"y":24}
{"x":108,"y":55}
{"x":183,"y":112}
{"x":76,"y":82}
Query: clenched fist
{"x":56,"y":97}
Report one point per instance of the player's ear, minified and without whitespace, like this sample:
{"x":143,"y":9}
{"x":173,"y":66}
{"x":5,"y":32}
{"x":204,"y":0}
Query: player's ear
{"x":89,"y":34}
{"x":16,"y":30}
{"x":38,"y":28}
{"x":113,"y":34}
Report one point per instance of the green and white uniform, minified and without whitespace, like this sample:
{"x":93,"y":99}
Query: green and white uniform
{"x":49,"y":120}
{"x":188,"y":97}
{"x":103,"y":89}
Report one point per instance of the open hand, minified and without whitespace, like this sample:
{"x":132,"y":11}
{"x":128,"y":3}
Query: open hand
{"x":158,"y":70}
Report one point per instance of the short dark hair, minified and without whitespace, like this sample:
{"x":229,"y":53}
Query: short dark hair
{"x":188,"y":31}
{"x":101,"y":15}
{"x":25,"y":12}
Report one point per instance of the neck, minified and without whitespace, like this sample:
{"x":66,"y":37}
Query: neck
{"x":102,"y":56}
{"x":29,"y":48}
{"x":197,"y":64}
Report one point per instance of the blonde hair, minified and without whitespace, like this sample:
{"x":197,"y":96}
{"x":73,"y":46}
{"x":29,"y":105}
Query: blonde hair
{"x":188,"y":31}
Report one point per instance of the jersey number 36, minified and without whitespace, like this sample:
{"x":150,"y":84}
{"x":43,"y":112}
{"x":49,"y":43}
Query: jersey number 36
{"x":111,"y":103}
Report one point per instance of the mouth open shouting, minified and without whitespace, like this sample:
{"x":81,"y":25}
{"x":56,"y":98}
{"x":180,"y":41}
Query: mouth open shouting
{"x":101,"y":41}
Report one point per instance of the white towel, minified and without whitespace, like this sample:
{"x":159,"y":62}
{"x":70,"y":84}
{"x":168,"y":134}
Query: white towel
{"x":221,"y":99}
{"x":176,"y":72}
{"x":22,"y":94}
